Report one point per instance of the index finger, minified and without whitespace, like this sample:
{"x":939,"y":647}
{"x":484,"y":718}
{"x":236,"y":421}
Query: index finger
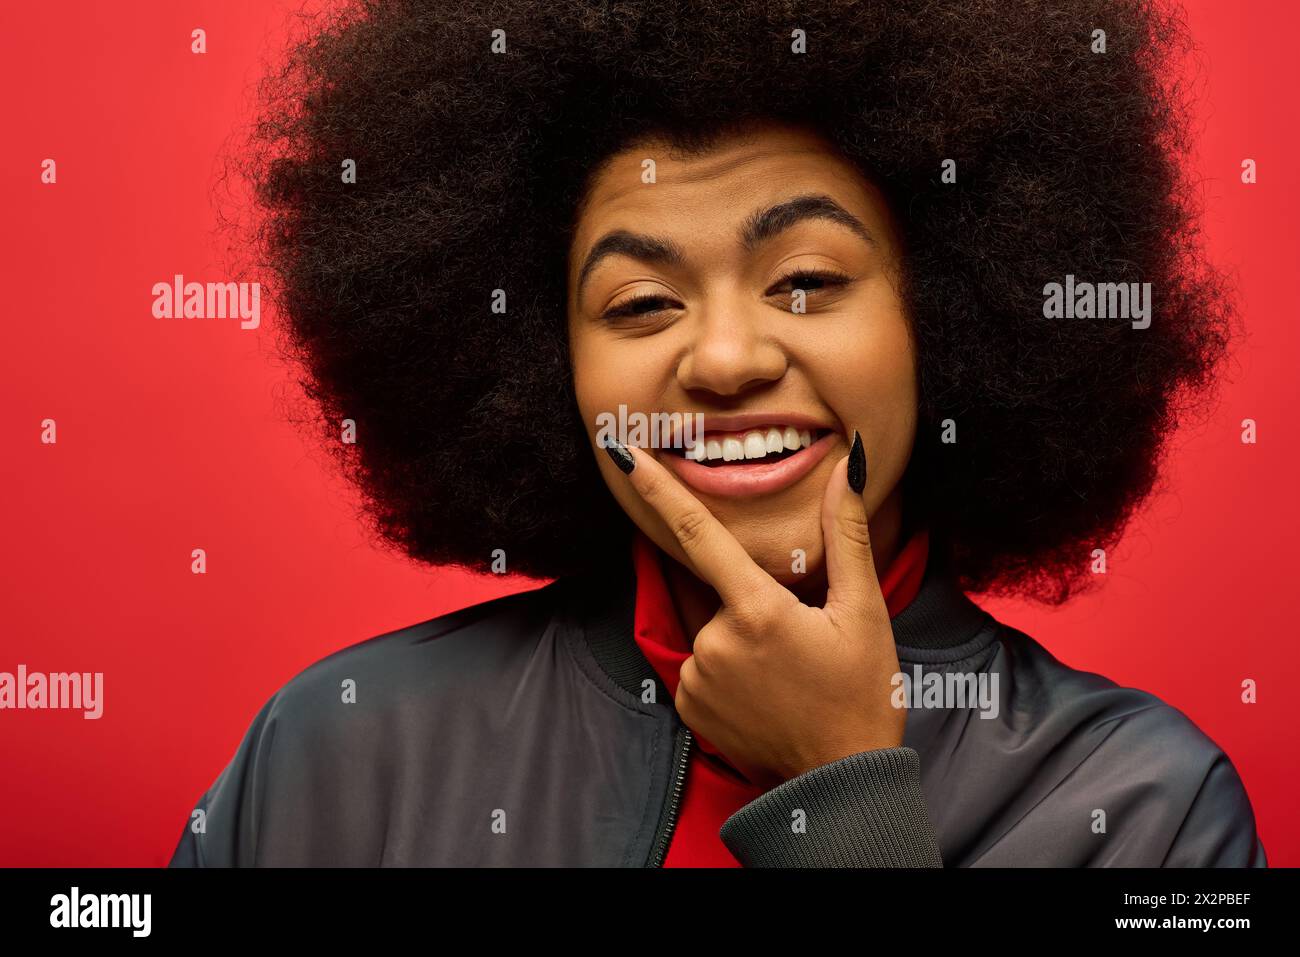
{"x":714,"y":553}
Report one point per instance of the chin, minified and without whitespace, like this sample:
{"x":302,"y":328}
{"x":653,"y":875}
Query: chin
{"x":778,"y":560}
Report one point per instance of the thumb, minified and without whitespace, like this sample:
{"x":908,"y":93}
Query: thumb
{"x":853,"y":590}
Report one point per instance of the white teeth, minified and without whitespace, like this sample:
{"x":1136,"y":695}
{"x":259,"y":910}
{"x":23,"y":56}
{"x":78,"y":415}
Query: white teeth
{"x":755,"y":444}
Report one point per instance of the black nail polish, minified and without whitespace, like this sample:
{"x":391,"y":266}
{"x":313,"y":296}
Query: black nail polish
{"x":621,"y":456}
{"x":857,"y":464}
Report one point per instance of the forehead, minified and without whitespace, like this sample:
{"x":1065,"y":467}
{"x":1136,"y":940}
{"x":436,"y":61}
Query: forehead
{"x":697,"y":195}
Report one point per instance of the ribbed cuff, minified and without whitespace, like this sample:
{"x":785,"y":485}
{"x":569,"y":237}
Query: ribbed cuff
{"x":865,"y":810}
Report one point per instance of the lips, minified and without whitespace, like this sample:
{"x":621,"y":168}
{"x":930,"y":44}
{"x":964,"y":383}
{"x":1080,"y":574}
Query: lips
{"x":751,"y":454}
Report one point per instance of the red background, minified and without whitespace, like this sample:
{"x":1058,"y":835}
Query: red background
{"x":171,"y":436}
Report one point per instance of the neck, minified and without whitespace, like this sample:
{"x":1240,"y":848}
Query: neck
{"x":696,"y":602}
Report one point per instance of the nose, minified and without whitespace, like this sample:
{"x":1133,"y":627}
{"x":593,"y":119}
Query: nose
{"x":729,"y":353}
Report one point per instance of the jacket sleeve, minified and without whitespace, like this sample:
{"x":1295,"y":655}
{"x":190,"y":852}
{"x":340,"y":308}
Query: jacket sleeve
{"x":1219,"y":828}
{"x":222,"y":829}
{"x":865,"y":810}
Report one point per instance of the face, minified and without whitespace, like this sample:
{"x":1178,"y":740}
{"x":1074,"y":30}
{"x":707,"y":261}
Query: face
{"x":758,"y":285}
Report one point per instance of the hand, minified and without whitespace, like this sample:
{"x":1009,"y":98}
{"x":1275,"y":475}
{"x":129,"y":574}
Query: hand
{"x":777,"y":686}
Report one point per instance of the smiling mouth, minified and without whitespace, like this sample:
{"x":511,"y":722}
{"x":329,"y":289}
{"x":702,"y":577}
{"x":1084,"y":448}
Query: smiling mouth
{"x":749,"y":447}
{"x":763,"y":460}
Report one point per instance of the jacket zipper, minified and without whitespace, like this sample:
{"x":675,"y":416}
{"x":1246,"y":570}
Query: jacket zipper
{"x":665,"y":834}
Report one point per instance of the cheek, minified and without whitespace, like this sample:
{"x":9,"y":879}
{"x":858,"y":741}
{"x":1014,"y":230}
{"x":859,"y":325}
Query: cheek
{"x":611,"y":371}
{"x":867,"y":369}
{"x":605,"y":377}
{"x":866,"y":373}
{"x":597,"y":385}
{"x":584,"y":360}
{"x":891,"y":416}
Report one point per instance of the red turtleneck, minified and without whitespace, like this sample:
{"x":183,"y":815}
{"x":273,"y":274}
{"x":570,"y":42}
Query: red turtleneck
{"x":713,"y":789}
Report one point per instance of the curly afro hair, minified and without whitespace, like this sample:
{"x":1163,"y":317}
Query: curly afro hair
{"x":470,"y":165}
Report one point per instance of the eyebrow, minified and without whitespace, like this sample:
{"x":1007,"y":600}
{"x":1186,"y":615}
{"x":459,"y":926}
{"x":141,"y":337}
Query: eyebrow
{"x":758,"y":228}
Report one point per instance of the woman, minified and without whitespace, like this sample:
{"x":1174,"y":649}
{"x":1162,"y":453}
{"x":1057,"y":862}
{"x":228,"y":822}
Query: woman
{"x":820,"y":243}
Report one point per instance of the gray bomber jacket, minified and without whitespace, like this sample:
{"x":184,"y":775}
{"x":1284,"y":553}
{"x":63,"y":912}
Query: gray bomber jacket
{"x":514,"y":733}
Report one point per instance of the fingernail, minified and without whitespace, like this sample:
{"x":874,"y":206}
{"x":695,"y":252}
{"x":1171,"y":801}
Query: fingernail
{"x":857,"y":464}
{"x":621,"y":456}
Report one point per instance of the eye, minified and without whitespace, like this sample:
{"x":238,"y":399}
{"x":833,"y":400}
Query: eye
{"x":643,"y":305}
{"x":809,"y":280}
